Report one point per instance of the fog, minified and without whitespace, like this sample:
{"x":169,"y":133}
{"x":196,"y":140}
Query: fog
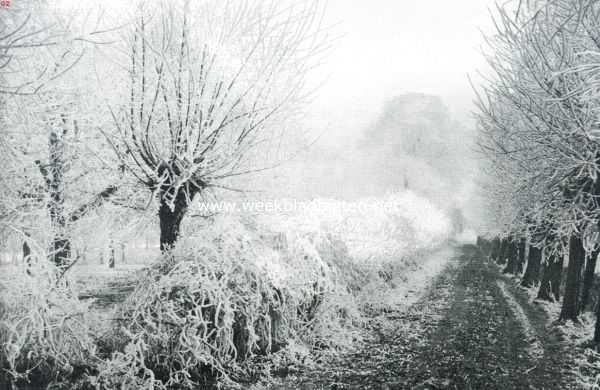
{"x":389,"y":47}
{"x":381,"y":51}
{"x":397,"y":70}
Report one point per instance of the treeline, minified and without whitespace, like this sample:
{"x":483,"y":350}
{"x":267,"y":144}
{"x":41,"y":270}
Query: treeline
{"x":206,"y":91}
{"x":538,"y":128}
{"x":543,"y":267}
{"x":117,"y":123}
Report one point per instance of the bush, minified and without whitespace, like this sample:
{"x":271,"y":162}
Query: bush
{"x":44,"y":334}
{"x":219,"y":299}
{"x":230,"y":294}
{"x":372,"y":229}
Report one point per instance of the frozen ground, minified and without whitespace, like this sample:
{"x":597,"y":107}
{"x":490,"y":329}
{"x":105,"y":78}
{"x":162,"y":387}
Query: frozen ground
{"x":470,"y":329}
{"x":415,"y":282}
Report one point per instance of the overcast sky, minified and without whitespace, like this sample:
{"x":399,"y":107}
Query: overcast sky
{"x":391,"y":47}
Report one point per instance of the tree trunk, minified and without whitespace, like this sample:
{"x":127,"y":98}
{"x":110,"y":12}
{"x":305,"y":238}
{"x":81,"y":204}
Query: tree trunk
{"x":503,"y":251}
{"x":170,"y":219}
{"x":570,"y":307}
{"x":521,"y":262}
{"x":53,"y":174}
{"x":27,"y":256}
{"x":61,"y":250}
{"x":588,"y":279}
{"x":513,"y":257}
{"x":487,"y":247}
{"x":551,"y":277}
{"x":483,"y":245}
{"x":495,"y":249}
{"x":597,"y":328}
{"x":532,"y":272}
{"x":111,"y":254}
{"x":61,"y":246}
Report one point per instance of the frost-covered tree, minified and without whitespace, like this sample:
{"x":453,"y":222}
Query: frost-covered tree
{"x":210,"y":85}
{"x":31,"y":39}
{"x":47,"y":138}
{"x":537,"y":125}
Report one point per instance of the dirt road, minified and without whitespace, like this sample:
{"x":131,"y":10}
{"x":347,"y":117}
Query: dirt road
{"x":473,"y":329}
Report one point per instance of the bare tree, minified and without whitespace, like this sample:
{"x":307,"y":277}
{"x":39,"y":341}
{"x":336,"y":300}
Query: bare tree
{"x":39,"y":82}
{"x":210,"y":86}
{"x":537,"y":125}
{"x":38,"y":46}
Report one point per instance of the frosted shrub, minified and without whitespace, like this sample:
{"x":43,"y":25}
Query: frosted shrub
{"x":372,"y":229}
{"x":326,"y":278}
{"x":44,"y":333}
{"x":368,"y":244}
{"x":196,"y":316}
{"x":237,"y":289}
{"x":219,"y":298}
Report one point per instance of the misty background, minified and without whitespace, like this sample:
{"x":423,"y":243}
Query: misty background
{"x":390,"y":108}
{"x":393,"y":105}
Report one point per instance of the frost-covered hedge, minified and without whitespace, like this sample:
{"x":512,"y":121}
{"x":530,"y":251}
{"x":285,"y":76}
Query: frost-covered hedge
{"x":232,"y":292}
{"x":377,"y":228}
{"x":235,"y":289}
{"x":44,"y":331}
{"x":222,"y":297}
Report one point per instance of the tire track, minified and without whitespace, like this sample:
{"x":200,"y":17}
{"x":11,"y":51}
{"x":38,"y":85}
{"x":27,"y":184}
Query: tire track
{"x":535,"y":348}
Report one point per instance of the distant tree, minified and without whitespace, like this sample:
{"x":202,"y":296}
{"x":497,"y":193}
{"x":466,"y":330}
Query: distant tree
{"x":415,"y":134}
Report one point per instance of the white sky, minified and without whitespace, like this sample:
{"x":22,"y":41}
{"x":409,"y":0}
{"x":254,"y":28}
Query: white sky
{"x":391,"y":47}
